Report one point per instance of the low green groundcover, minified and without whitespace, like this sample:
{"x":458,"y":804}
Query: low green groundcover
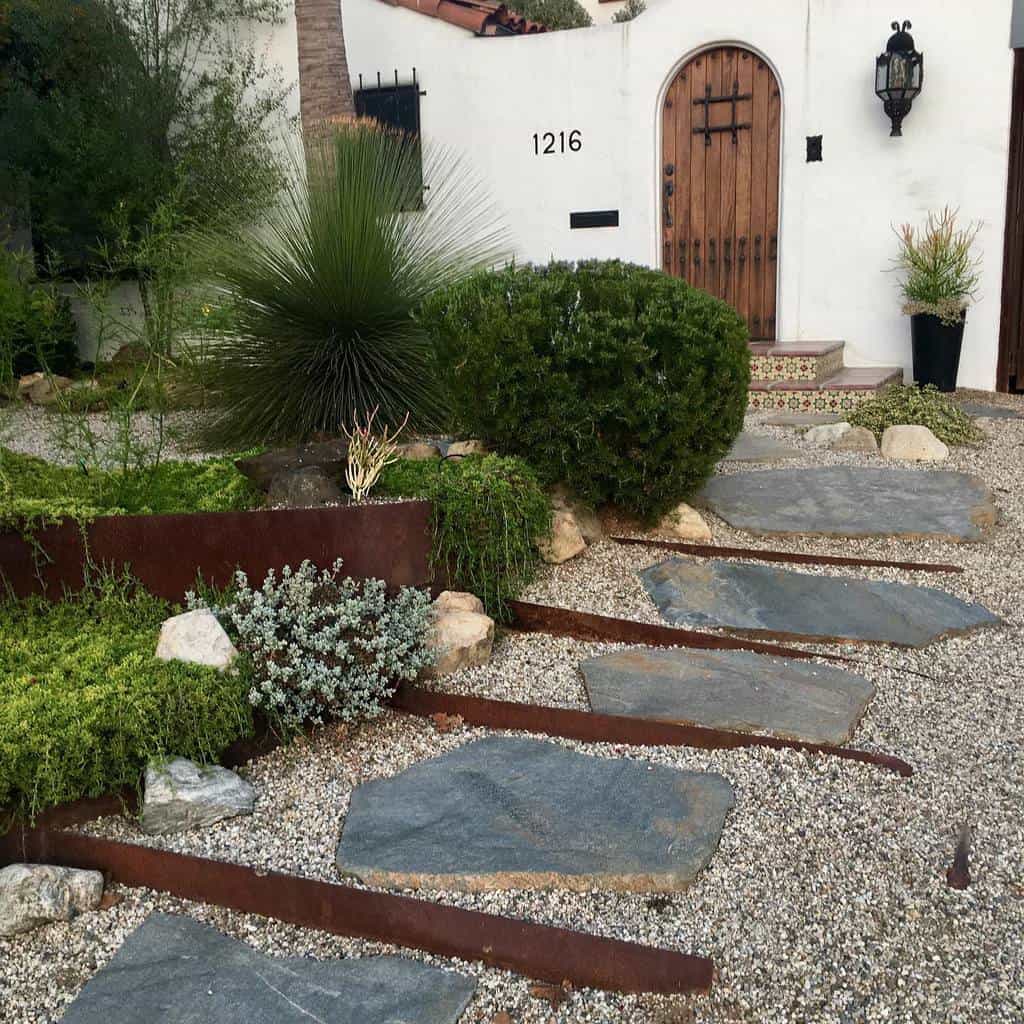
{"x":34,"y":490}
{"x":84,"y":704}
{"x":489,"y":513}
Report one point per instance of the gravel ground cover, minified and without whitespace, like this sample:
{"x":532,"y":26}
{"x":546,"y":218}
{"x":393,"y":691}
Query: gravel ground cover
{"x":826,"y":900}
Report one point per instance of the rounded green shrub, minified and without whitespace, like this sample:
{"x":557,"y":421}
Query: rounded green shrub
{"x":623,"y":382}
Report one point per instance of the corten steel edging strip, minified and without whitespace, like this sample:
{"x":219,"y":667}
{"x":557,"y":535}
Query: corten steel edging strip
{"x":537,"y":951}
{"x":792,"y":557}
{"x":541,"y":618}
{"x":593,"y":727}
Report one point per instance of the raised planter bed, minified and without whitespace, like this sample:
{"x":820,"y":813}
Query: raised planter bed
{"x":167,"y":553}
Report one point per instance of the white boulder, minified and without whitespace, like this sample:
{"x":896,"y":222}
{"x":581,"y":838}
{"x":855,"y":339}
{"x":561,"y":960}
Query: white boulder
{"x":182,"y":795}
{"x":472,"y":447}
{"x":826,"y":434}
{"x":198,"y":638}
{"x":457,"y":601}
{"x":565,"y":540}
{"x":856,"y":439}
{"x":685,"y":523}
{"x":912,"y":444}
{"x":461,"y":639}
{"x":36,"y":894}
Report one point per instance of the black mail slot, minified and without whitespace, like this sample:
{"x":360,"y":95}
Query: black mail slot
{"x":594,"y":219}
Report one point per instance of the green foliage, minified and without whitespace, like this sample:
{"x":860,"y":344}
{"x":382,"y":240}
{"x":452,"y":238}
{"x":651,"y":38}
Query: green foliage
{"x":489,"y":513}
{"x":554,"y":14}
{"x":927,"y":407}
{"x":37,"y":329}
{"x":110,"y":107}
{"x":625,"y":383}
{"x":630,"y":10}
{"x":35,"y":491}
{"x":84,"y":704}
{"x":324,"y":290}
{"x":941,"y":273}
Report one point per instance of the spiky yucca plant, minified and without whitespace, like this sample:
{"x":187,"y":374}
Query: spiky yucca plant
{"x":325,"y":288}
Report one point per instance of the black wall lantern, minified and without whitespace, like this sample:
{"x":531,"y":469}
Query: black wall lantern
{"x":899,"y":73}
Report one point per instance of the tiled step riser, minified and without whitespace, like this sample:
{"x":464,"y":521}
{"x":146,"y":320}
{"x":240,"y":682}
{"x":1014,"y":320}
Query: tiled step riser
{"x":821,"y":400}
{"x":774,"y":367}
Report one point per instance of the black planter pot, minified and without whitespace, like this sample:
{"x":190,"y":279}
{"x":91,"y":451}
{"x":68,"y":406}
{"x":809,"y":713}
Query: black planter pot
{"x":936,"y":350}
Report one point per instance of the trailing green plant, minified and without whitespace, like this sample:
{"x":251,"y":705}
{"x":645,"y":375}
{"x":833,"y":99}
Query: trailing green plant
{"x":927,"y":407}
{"x":630,"y":10}
{"x":623,"y":382}
{"x":85,"y":704}
{"x":324,"y":647}
{"x":33,"y":491}
{"x":554,"y":14}
{"x":37,"y":330}
{"x":489,"y":513}
{"x":941,"y":271}
{"x":323,"y":290}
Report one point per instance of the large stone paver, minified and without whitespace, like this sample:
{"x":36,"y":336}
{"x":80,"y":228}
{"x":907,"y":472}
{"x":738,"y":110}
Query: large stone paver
{"x":759,"y":448}
{"x":507,"y":813}
{"x":853,"y":501}
{"x":174,"y":970}
{"x":754,"y":598}
{"x":730,"y":690}
{"x":992,"y":412}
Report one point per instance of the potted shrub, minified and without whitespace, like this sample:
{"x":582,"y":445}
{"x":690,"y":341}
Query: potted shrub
{"x":940,"y":280}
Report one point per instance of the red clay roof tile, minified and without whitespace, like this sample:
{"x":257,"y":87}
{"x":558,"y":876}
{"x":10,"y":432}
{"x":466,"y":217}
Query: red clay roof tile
{"x":484,"y":17}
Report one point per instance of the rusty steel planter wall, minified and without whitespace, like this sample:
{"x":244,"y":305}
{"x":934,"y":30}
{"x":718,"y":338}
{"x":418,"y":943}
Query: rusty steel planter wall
{"x":389,"y":541}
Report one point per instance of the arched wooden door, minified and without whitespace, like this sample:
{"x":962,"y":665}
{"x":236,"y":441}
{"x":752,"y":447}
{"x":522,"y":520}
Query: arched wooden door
{"x":720,"y":181}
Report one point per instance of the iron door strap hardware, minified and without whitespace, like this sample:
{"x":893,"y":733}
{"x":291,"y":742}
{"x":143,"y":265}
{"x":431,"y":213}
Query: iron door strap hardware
{"x":757,"y":249}
{"x":773,"y":250}
{"x":733,"y":126}
{"x":669,"y":188}
{"x":682,"y":252}
{"x":711,"y":251}
{"x":696,"y":252}
{"x":728,"y":252}
{"x":743,"y":249}
{"x":670,"y":169}
{"x":668,"y":253}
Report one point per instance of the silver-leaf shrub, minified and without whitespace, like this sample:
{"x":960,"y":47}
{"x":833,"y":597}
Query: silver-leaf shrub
{"x":324,"y":647}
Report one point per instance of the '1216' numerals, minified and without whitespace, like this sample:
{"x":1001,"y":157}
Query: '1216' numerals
{"x":562,"y":142}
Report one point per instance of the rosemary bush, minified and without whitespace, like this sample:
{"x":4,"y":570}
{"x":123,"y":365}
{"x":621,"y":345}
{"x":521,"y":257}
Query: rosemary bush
{"x":927,"y":407}
{"x":941,"y":272}
{"x":554,"y":14}
{"x":489,"y":513}
{"x":85,"y":704}
{"x":630,"y":10}
{"x":322,"y":647}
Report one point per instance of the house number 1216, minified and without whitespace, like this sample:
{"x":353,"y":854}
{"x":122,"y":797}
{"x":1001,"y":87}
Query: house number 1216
{"x":561,"y":142}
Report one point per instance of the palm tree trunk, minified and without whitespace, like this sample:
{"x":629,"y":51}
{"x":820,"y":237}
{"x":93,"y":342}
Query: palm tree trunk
{"x":325,"y":90}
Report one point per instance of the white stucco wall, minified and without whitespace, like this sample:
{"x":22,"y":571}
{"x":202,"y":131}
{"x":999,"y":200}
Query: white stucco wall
{"x":488,"y":96}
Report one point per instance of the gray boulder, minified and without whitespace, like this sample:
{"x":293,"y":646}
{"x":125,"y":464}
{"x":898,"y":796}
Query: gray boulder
{"x":182,"y":795}
{"x":329,"y":456}
{"x":303,"y":488}
{"x":856,"y":439}
{"x":36,"y":894}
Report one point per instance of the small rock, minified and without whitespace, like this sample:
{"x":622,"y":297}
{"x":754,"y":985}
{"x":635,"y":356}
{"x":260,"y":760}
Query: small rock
{"x":588,"y":521}
{"x":472,"y":447}
{"x":45,"y":391}
{"x":501,"y":1017}
{"x":182,"y":795}
{"x":826,"y":434}
{"x":856,"y":439}
{"x":565,"y":540}
{"x":457,"y":601}
{"x":685,"y":523}
{"x":418,"y":451}
{"x":26,"y":383}
{"x":461,"y":640}
{"x":554,"y":994}
{"x":912,"y":444}
{"x":36,"y":894}
{"x":303,"y":488}
{"x":110,"y":900}
{"x":196,"y":637}
{"x":134,"y":353}
{"x":331,"y":456}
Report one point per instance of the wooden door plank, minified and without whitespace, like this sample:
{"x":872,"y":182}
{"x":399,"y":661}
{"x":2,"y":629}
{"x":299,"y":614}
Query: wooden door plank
{"x":771,"y":264}
{"x":718,"y":113}
{"x":684,"y":149}
{"x":758,"y":206}
{"x":669,"y":204}
{"x":727,"y":183}
{"x":745,"y":73}
{"x":698,"y":250}
{"x":1010,"y":365}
